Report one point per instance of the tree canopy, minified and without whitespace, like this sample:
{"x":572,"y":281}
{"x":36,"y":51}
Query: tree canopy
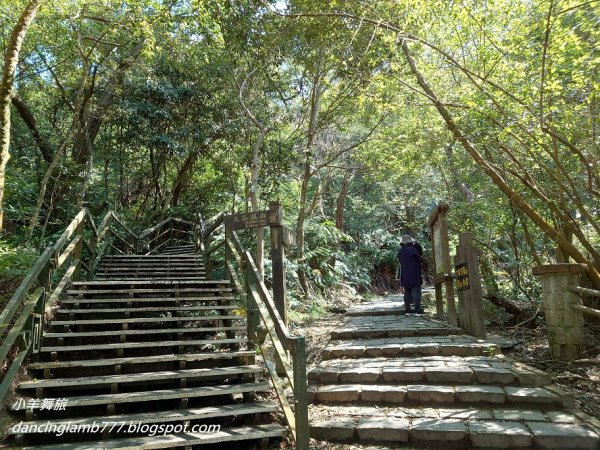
{"x":357,"y":116}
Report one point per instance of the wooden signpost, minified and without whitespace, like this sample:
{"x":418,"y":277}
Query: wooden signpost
{"x":468,"y":285}
{"x":438,"y":222}
{"x":280,"y":237}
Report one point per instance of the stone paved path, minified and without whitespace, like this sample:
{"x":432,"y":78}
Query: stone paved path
{"x":387,"y":378}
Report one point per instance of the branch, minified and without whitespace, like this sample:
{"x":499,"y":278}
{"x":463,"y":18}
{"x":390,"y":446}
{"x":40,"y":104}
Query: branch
{"x":29,"y":120}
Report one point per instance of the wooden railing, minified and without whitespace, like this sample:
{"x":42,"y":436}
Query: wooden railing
{"x":586,"y":309}
{"x":170,"y":231}
{"x":74,"y":256}
{"x":284,"y":354}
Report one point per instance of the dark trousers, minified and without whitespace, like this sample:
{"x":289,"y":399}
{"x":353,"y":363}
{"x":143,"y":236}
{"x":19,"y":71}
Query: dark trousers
{"x":412,"y":295}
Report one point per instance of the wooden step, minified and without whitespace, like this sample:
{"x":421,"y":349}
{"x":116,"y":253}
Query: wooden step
{"x":139,"y":320}
{"x":147,"y":257}
{"x":146,"y":309}
{"x":160,"y":394}
{"x":423,"y":394}
{"x":92,"y":301}
{"x":136,"y":360}
{"x":138,"y":291}
{"x":140,"y":345}
{"x":108,"y":380}
{"x":117,"y":333}
{"x":183,"y":440}
{"x":163,"y":283}
{"x":168,"y":416}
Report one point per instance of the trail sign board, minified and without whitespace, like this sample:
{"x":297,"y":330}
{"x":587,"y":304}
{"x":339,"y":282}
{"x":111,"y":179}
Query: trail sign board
{"x":256,"y":219}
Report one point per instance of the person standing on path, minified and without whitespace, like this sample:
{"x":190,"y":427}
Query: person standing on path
{"x":411,"y":266}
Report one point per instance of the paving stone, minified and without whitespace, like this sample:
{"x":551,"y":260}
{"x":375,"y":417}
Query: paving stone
{"x":499,"y":435}
{"x":491,"y":375}
{"x":338,"y":429}
{"x":567,"y":399}
{"x":531,"y":395}
{"x":360,"y":375}
{"x":563,"y":436}
{"x":464,"y":414}
{"x":383,"y":393}
{"x":480,"y":394}
{"x":425,"y":393}
{"x":561,"y":417}
{"x":355,"y":351}
{"x":519,"y":414}
{"x":338,"y":393}
{"x":529,"y":377}
{"x":437,"y":430}
{"x":403,"y":374}
{"x":323,"y":375}
{"x":377,"y":429}
{"x":460,"y":374}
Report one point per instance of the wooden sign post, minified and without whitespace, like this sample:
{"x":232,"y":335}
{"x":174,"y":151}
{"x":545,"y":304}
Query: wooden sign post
{"x":438,"y":222}
{"x":280,"y":237}
{"x":468,"y":285}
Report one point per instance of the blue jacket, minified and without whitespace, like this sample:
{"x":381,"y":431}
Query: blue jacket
{"x":410,"y":266}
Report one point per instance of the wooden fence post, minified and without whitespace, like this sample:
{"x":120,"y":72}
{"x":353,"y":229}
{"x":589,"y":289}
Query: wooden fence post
{"x":566,"y":333}
{"x":438,"y":222}
{"x":468,"y":285}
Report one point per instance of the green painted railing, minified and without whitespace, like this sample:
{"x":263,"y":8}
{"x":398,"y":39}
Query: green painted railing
{"x":287,"y":373}
{"x":75,"y":255}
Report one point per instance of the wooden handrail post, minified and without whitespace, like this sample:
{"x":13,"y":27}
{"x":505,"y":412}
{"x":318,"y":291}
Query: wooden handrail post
{"x":301,"y":395}
{"x":251,"y":308}
{"x":278,"y":264}
{"x":228,"y":255}
{"x":566,"y":333}
{"x":77,"y":251}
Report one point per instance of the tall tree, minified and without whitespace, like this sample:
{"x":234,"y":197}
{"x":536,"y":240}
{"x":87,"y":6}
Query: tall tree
{"x":11,"y":59}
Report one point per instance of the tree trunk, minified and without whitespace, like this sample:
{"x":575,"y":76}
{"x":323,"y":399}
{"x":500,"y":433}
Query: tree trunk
{"x":253,"y":194}
{"x":498,"y":180}
{"x":340,"y":201}
{"x":11,"y":59}
{"x":44,"y":184}
{"x":29,"y":119}
{"x":316,"y":93}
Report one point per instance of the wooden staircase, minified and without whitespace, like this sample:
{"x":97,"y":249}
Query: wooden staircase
{"x":149,"y":354}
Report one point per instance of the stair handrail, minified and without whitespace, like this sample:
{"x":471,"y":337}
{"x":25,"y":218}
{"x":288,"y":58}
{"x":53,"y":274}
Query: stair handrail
{"x":23,"y":318}
{"x":263,"y":319}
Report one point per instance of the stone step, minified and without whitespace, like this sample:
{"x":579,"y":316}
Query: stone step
{"x":432,"y":394}
{"x":108,"y":381}
{"x":377,"y":308}
{"x":168,"y":416}
{"x":154,"y":395}
{"x":425,"y":370}
{"x":368,"y":327}
{"x":454,"y":432}
{"x":180,"y":440}
{"x":410,"y":346}
{"x":142,"y":361}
